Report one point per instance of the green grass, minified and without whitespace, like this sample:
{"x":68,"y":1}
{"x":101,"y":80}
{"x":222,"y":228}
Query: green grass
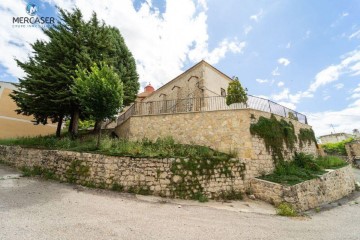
{"x":285,"y":209}
{"x":161,"y":148}
{"x":330,"y":162}
{"x":303,"y":167}
{"x":38,"y":171}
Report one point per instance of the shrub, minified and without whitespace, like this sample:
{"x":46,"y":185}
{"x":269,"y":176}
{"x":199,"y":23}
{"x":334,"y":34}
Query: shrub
{"x":286,"y":209}
{"x":306,"y":161}
{"x":231,"y":195}
{"x":200,"y":197}
{"x":336,"y":148}
{"x":330,"y":162}
{"x":117,"y":187}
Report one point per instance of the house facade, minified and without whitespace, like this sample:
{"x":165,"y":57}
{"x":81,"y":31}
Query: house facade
{"x":192,"y":109}
{"x":16,"y":125}
{"x":335,"y":137}
{"x":190,"y":91}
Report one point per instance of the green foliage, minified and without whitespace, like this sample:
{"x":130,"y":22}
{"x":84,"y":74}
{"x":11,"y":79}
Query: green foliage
{"x":38,"y":171}
{"x":99,"y":92}
{"x":306,"y":136}
{"x":200,"y":197}
{"x":236,"y":93}
{"x":275,"y":133}
{"x":306,"y":161}
{"x":117,"y":187}
{"x":83,"y":124}
{"x":286,"y":209}
{"x":303,"y":167}
{"x":161,"y":148}
{"x":45,"y":90}
{"x":76,"y":170}
{"x":336,"y":148}
{"x":231,"y":195}
{"x":142,"y":190}
{"x":330,"y":162}
{"x":292,"y":116}
{"x":194,"y":170}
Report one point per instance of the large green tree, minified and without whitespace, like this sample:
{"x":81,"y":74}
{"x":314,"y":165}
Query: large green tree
{"x":45,"y":91}
{"x":236,"y":93}
{"x":99,"y":92}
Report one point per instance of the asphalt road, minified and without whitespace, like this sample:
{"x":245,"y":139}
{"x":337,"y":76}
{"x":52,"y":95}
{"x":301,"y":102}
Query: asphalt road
{"x":36,"y":209}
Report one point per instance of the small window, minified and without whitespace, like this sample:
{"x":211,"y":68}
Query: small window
{"x":223,"y":92}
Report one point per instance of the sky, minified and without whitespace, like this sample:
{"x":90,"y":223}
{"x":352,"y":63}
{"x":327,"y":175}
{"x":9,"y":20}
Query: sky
{"x":302,"y":54}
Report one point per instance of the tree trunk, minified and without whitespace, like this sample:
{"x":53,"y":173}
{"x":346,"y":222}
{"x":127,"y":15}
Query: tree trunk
{"x":58,"y":129}
{"x":70,"y":123}
{"x":98,"y":140}
{"x":97,"y":126}
{"x":75,"y":123}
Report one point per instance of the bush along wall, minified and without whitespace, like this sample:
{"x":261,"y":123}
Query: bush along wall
{"x":279,"y":136}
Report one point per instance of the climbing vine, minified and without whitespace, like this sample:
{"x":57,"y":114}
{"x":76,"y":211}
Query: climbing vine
{"x":306,"y":136}
{"x":275,"y":133}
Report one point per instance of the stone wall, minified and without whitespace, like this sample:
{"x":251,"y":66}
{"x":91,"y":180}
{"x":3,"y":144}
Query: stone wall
{"x":226,"y":131}
{"x":164,"y":177}
{"x":310,"y":194}
{"x":353,"y":152}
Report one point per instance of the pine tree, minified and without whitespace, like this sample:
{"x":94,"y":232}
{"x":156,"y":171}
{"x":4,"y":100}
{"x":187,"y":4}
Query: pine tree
{"x":45,"y":91}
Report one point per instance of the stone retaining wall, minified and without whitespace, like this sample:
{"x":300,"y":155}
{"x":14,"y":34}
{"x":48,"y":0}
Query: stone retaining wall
{"x":310,"y":194}
{"x":156,"y":176}
{"x":224,"y":130}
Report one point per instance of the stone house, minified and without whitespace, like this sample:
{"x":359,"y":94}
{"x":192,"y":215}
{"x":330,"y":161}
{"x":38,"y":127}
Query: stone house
{"x":15,"y":125}
{"x":334,"y":137}
{"x":192,"y":109}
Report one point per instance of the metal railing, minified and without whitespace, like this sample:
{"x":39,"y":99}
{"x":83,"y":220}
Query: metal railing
{"x":208,"y":104}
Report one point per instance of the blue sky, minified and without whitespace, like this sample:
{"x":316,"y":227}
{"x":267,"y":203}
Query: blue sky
{"x":302,"y":54}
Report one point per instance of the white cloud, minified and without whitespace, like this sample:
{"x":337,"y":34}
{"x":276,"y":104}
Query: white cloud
{"x":261,"y":80}
{"x":357,"y":89}
{"x":247,"y":29}
{"x":307,"y":34}
{"x":350,"y":64}
{"x":288,"y":105}
{"x":275,"y":72}
{"x":284,"y":61}
{"x":344,"y":120}
{"x":160,"y":43}
{"x":326,"y":76}
{"x":256,"y":17}
{"x":355,"y":34}
{"x":288,"y":45}
{"x":326,"y":97}
{"x":345,"y":14}
{"x":284,"y":94}
{"x":339,"y":86}
{"x":218,"y":53}
{"x":293,"y":99}
{"x":15,"y":42}
{"x":281,"y":84}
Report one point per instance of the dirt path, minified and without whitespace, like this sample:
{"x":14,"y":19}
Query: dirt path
{"x":36,"y":209}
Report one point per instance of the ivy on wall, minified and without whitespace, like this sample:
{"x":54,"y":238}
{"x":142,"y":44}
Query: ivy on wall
{"x":306,"y":136}
{"x":275,"y":133}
